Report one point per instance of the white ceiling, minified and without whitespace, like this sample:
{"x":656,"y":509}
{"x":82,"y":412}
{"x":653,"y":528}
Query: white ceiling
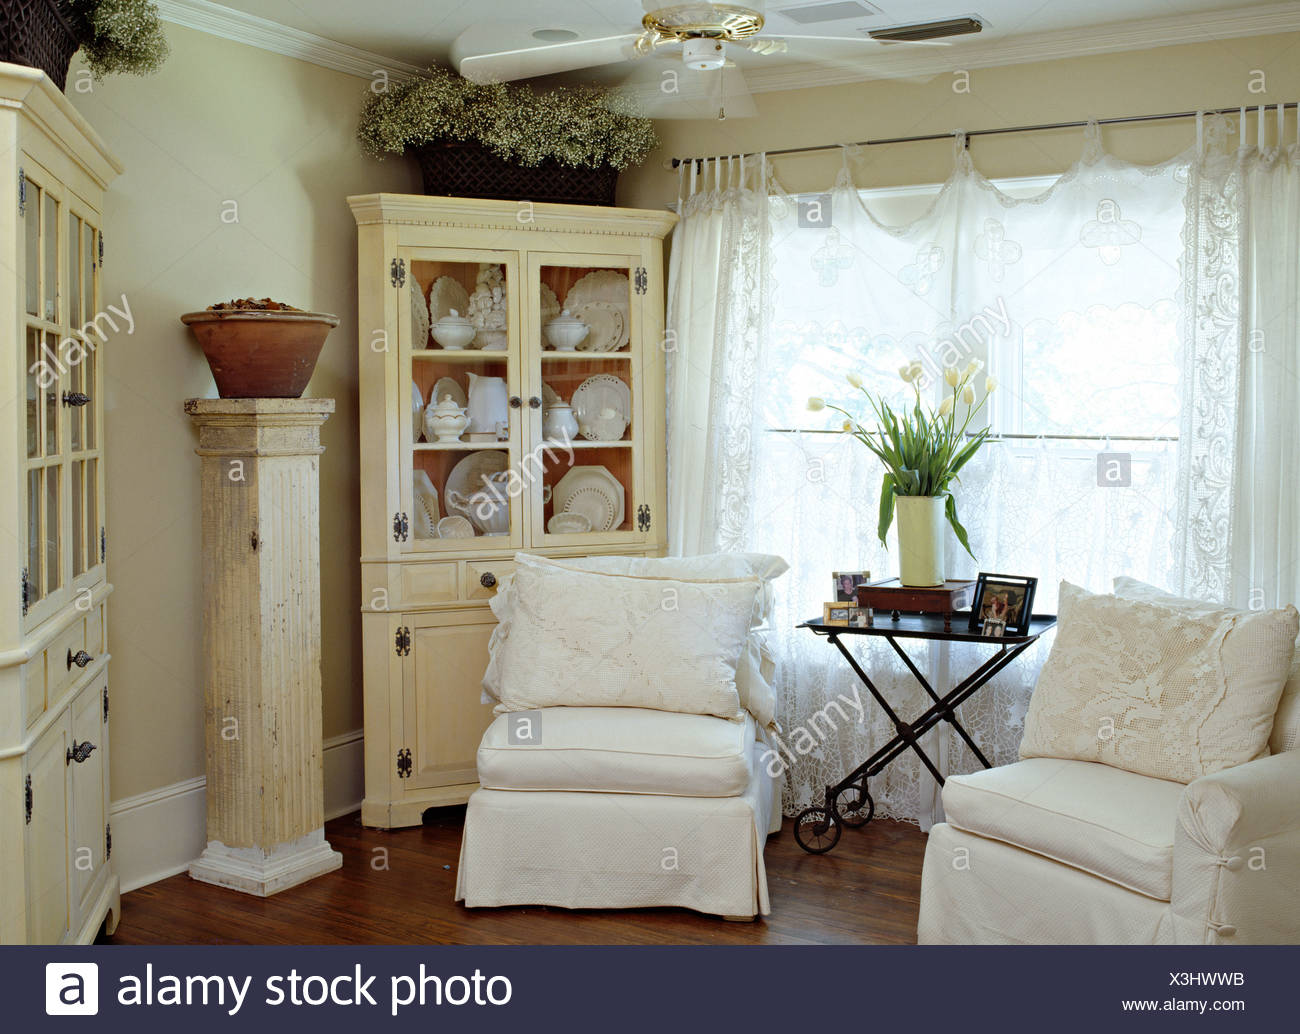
{"x":417,"y":32}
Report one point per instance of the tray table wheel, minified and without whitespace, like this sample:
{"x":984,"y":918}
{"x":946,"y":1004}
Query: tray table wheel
{"x":854,"y":807}
{"x":816,"y":830}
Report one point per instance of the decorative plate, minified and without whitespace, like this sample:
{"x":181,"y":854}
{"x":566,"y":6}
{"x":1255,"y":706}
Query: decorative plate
{"x":456,"y":527}
{"x":448,"y":386}
{"x":427,"y":511}
{"x":608,"y":325}
{"x":419,"y":316}
{"x":600,"y":479}
{"x":593,"y":505}
{"x":446,"y":294}
{"x":467,"y":476}
{"x":603,"y":406}
{"x":550,"y":304}
{"x":417,"y":412}
{"x":604,"y":285}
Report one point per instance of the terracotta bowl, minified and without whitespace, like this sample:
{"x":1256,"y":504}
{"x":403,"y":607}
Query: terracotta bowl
{"x":261,"y":355}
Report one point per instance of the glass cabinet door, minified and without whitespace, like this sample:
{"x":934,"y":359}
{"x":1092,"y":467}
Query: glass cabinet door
{"x":461,"y":422}
{"x":82,"y":404}
{"x":587,"y":360}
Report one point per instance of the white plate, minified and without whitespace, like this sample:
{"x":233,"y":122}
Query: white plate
{"x":603,"y":406}
{"x":606,"y":484}
{"x":607,"y":322}
{"x":447,"y":386}
{"x":427,"y":512}
{"x":456,"y":527}
{"x":466,"y":477}
{"x":604,"y":285}
{"x":594,"y":505}
{"x":447,"y":294}
{"x":419,"y":316}
{"x":417,"y":412}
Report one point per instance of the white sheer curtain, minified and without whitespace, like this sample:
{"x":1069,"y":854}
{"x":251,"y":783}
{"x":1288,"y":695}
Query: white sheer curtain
{"x":1072,"y":295}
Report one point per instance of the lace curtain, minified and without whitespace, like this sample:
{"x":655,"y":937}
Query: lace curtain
{"x":1106,"y":304}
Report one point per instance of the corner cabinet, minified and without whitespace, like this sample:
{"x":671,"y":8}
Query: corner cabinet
{"x":443,"y":511}
{"x":56,"y":876}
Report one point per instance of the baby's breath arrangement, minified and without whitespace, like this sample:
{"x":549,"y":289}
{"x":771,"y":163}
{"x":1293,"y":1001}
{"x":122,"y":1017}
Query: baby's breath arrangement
{"x":119,"y":35}
{"x":575,"y":125}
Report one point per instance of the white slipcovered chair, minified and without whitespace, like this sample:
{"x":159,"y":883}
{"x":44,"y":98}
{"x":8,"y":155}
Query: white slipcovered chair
{"x":627,"y":806}
{"x":1050,"y":851}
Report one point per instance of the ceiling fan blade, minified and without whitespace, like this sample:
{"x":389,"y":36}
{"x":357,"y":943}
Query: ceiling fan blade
{"x":473,"y":59}
{"x":849,"y":40}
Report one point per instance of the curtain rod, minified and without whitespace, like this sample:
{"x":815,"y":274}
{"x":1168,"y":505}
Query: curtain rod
{"x":1010,"y":437}
{"x":1117,"y":120}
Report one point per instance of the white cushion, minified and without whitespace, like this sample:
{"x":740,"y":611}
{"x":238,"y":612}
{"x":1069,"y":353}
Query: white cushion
{"x":617,"y":750}
{"x":1286,"y":723}
{"x":1111,"y":823}
{"x":756,"y":669}
{"x":1156,"y":690}
{"x":582,"y":639}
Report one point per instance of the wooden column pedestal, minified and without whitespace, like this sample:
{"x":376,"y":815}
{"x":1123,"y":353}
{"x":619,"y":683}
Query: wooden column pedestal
{"x":261,"y":642}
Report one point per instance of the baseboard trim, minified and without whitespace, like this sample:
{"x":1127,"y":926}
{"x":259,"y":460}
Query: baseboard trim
{"x":158,"y":834}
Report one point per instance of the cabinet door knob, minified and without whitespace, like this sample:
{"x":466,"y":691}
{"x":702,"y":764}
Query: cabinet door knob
{"x":487,"y":579}
{"x":78,"y":752}
{"x":80,"y":659}
{"x":534,"y":402}
{"x":515,"y":402}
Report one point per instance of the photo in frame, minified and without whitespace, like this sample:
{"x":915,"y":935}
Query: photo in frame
{"x":837,"y":613}
{"x":1002,"y":605}
{"x":846,"y":585}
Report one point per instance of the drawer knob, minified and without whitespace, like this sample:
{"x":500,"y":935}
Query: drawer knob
{"x":78,"y":752}
{"x":80,"y":659}
{"x":487,"y":579}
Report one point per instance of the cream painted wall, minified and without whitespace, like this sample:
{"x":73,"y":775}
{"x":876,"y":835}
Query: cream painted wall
{"x":220,"y":123}
{"x":224,"y":122}
{"x":1144,"y":82}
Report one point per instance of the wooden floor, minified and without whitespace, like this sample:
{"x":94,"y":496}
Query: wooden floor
{"x":866,"y":891}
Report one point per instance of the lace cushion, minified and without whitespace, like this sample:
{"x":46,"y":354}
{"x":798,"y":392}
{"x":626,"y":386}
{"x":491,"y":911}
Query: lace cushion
{"x":1286,"y":723}
{"x":1159,"y":691}
{"x":582,"y":639}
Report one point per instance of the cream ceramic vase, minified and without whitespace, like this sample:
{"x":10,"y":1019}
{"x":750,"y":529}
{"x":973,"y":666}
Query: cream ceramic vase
{"x":921,"y":521}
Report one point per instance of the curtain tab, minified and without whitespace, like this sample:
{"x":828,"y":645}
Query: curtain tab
{"x":1092,"y":148}
{"x":961,"y":151}
{"x":1200,"y":134}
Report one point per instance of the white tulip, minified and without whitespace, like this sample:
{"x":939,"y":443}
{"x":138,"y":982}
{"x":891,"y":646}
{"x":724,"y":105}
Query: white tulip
{"x":912,"y":372}
{"x":847,"y":427}
{"x":905,"y":372}
{"x":990,"y":383}
{"x":968,"y":394}
{"x":945,"y":407}
{"x":854,"y":378}
{"x":815,"y":404}
{"x":952,"y":375}
{"x":972,"y":368}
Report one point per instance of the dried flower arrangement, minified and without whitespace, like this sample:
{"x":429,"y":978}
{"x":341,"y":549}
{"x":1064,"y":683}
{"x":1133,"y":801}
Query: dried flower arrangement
{"x":577,"y":126}
{"x":119,"y":35}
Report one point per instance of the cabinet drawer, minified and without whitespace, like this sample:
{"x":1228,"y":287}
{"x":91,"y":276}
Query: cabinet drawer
{"x":483,"y":576}
{"x":59,"y":674}
{"x":423,"y":584}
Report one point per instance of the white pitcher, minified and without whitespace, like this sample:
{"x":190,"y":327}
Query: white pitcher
{"x":489,"y":406}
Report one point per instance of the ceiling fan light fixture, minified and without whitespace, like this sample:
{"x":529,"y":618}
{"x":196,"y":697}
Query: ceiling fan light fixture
{"x":927,"y":30}
{"x":704,"y":21}
{"x":704,"y":55}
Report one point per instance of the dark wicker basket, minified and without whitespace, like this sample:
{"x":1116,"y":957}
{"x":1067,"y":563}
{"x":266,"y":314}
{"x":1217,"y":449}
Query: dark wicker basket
{"x":468,"y":169}
{"x":38,"y":33}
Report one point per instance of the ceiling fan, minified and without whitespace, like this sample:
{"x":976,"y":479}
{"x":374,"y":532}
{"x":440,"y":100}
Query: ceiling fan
{"x":698,"y":36}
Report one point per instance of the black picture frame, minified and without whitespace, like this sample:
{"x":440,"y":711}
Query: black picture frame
{"x":1020,"y":586}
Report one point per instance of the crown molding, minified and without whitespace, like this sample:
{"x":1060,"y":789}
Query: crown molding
{"x":264,"y":34}
{"x":1143,"y":34}
{"x":899,"y":62}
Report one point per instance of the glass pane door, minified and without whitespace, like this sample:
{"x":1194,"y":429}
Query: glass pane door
{"x":585,"y":354}
{"x":82,"y":403}
{"x":461,"y":422}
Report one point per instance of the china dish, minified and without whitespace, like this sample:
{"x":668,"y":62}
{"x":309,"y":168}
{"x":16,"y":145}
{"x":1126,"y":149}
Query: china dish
{"x":548,"y":303}
{"x":427,"y":511}
{"x":593,"y":492}
{"x":419,"y":316}
{"x":607,"y":322}
{"x":455,"y":527}
{"x":607,"y":286}
{"x":454,"y":332}
{"x":445,"y":386}
{"x":603,"y":406}
{"x":446,"y":294}
{"x":467,"y":478}
{"x":417,"y":412}
{"x":569,"y":523}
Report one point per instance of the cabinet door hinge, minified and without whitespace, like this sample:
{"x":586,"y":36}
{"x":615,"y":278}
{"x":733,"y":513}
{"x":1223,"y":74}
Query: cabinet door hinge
{"x":404,"y":763}
{"x":101,"y":250}
{"x":643,"y":517}
{"x":403,"y":641}
{"x":27,"y":798}
{"x":103,"y":545}
{"x":26,"y":596}
{"x":108,"y":841}
{"x":397,"y":272}
{"x":641,"y":280}
{"x":401,"y":527}
{"x":105,"y":703}
{"x":22,"y":191}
